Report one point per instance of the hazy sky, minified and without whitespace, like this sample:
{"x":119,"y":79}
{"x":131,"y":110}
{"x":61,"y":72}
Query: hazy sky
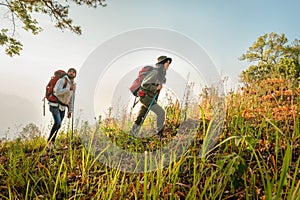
{"x":224,"y":29}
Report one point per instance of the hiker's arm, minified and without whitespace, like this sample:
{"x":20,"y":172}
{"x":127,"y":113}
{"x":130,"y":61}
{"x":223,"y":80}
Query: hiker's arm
{"x":70,"y":107}
{"x":71,"y":102}
{"x":70,"y":110}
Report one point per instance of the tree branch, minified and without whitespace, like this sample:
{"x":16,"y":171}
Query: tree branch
{"x":20,"y":11}
{"x":13,"y":20}
{"x":7,"y":4}
{"x":58,"y":16}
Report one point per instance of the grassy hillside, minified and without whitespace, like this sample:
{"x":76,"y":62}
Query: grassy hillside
{"x":256,"y":157}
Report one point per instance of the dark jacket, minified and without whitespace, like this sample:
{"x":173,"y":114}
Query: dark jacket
{"x":149,"y":86}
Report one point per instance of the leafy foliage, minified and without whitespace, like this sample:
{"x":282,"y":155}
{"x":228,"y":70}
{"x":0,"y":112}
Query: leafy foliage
{"x":275,"y":99}
{"x":12,"y":46}
{"x":21,"y":12}
{"x":272,"y":57}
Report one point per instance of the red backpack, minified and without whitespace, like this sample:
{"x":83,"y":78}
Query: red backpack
{"x":136,"y":85}
{"x":49,"y":88}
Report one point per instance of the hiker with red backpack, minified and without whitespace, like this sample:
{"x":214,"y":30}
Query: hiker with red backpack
{"x":60,"y":95}
{"x":148,"y":93}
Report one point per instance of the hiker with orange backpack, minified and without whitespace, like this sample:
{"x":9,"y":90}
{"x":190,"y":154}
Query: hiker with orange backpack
{"x":148,"y":94}
{"x":60,"y":95}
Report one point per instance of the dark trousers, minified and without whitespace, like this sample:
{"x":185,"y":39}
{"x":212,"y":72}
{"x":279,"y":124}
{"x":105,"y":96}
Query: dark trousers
{"x":158,"y":110}
{"x":58,"y":116}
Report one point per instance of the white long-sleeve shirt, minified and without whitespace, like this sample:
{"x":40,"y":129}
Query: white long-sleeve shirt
{"x":64,"y":95}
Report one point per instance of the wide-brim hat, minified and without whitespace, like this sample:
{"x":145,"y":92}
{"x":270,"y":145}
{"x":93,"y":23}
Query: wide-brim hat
{"x":162,"y":59}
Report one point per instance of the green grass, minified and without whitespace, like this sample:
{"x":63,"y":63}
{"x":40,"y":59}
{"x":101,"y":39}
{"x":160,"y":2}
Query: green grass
{"x":249,"y":161}
{"x":239,"y":167}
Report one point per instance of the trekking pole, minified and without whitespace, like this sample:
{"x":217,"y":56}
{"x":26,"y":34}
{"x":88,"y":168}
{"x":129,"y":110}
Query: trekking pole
{"x":44,"y":112}
{"x":135,"y":102}
{"x":72,"y":122}
{"x":137,"y":130}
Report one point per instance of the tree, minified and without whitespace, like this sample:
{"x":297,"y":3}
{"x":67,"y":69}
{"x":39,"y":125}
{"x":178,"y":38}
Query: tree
{"x":21,"y":12}
{"x":272,"y":57}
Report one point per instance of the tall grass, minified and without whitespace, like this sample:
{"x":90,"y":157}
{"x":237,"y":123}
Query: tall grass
{"x":255,"y":158}
{"x":235,"y":168}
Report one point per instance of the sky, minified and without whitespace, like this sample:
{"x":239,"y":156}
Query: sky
{"x":223,"y":29}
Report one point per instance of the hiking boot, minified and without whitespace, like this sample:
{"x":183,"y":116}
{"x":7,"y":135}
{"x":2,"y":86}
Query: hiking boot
{"x":50,"y":145}
{"x":160,"y":133}
{"x":135,"y":129}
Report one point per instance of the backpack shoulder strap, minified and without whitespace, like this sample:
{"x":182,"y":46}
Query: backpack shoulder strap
{"x":66,"y":82}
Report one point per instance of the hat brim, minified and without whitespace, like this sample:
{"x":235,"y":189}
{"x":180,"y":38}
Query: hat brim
{"x":170,"y":59}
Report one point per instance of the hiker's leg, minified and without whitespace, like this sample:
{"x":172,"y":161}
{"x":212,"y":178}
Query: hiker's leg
{"x":56,"y":114}
{"x":141,"y":114}
{"x":160,"y":116}
{"x":62,"y":115}
{"x":137,"y":123}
